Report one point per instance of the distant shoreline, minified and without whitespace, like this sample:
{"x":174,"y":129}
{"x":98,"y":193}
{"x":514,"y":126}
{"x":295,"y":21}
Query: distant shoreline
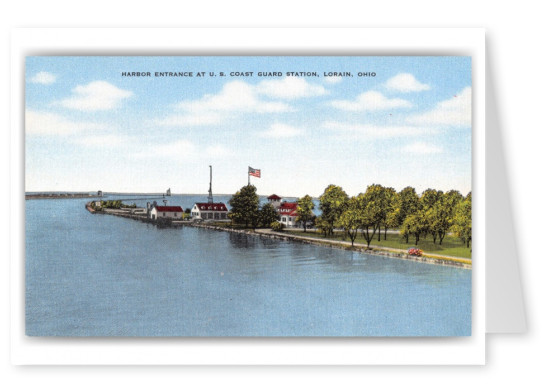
{"x":57,"y":196}
{"x":63,"y":194}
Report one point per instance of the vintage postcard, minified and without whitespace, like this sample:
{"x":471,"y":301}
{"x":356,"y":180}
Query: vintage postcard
{"x":248,"y":196}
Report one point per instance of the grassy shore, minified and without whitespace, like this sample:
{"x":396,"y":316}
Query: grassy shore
{"x":451,"y":246}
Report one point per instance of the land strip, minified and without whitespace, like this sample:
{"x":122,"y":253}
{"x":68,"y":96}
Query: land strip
{"x":435,"y":259}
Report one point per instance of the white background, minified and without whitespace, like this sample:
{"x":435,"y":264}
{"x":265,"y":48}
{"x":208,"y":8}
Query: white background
{"x":517,"y":47}
{"x":339,"y":351}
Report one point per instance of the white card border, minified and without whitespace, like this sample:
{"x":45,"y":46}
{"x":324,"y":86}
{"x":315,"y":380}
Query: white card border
{"x":245,"y":351}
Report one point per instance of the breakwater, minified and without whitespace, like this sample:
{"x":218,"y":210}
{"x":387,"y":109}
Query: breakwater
{"x":56,"y":196}
{"x":129,"y":214}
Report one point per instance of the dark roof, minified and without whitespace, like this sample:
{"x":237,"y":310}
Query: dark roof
{"x":169,"y":208}
{"x":218,"y":206}
{"x":274,"y":197}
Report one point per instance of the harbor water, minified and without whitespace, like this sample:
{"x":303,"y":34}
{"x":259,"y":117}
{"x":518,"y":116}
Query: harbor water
{"x":99,"y":275}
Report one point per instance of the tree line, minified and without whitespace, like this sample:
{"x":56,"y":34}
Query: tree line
{"x":379,"y":208}
{"x":372,"y":212}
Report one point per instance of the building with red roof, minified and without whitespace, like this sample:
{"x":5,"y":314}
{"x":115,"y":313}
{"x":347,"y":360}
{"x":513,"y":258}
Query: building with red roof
{"x":287,"y":210}
{"x":288,"y":213}
{"x":209,"y":211}
{"x":166,"y":212}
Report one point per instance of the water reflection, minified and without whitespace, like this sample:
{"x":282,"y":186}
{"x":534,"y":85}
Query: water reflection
{"x":239,"y":240}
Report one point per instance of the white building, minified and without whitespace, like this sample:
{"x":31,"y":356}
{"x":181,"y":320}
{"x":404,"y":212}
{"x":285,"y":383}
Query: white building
{"x":166,"y":212}
{"x":209,"y":211}
{"x":288,"y":214}
{"x":287,"y":211}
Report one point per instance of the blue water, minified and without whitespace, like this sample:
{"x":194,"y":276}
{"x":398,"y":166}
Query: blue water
{"x":99,"y":275}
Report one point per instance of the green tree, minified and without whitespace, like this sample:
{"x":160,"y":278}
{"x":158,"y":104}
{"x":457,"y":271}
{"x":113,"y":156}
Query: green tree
{"x":429,"y":198}
{"x":442,"y":213}
{"x":392,"y":209}
{"x":462,"y":222}
{"x":244,"y":206}
{"x":430,"y":207}
{"x":268,"y":215}
{"x":350,"y":218}
{"x":408,"y":202}
{"x":332,"y":204}
{"x":323,"y":226}
{"x":372,"y":211}
{"x":416,"y":225}
{"x":304,"y":210}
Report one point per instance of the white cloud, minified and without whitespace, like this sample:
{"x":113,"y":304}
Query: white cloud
{"x":289,"y":88}
{"x":95,"y":96}
{"x":421,"y":148}
{"x":174,"y":149}
{"x":371,"y":131}
{"x":103,"y":141}
{"x":197,"y":119}
{"x":217,"y":151}
{"x":43,"y":78}
{"x":332,"y":79}
{"x":44,"y":123}
{"x":236,"y":96}
{"x":405,"y":82}
{"x":370,"y":101}
{"x":179,"y":150}
{"x":281,"y":131}
{"x":452,"y":112}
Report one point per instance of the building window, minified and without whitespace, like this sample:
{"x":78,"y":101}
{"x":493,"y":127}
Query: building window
{"x":175,"y":215}
{"x":164,"y":214}
{"x":284,"y":219}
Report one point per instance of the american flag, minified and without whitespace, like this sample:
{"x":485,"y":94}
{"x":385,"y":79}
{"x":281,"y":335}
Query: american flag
{"x":254,"y":172}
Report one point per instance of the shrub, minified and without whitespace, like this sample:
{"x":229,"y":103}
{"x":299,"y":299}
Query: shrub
{"x":276,"y":226}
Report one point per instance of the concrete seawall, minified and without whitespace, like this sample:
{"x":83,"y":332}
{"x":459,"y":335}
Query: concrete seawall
{"x":398,"y":254}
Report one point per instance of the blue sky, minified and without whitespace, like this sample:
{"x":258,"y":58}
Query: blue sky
{"x":90,"y":128}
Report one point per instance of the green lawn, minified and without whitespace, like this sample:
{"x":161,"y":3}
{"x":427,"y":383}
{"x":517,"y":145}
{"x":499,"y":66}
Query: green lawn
{"x":451,"y":246}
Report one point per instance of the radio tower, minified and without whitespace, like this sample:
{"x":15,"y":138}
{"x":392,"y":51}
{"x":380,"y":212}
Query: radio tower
{"x":210,"y":186}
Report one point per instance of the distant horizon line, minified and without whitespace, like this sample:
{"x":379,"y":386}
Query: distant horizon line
{"x":141,"y":193}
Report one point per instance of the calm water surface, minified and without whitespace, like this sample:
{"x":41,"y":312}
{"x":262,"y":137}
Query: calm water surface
{"x":98,"y":275}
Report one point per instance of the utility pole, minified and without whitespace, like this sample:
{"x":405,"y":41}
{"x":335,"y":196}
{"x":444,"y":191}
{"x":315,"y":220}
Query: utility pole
{"x":210,"y":186}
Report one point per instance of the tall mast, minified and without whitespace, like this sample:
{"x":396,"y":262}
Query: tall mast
{"x":210,"y":186}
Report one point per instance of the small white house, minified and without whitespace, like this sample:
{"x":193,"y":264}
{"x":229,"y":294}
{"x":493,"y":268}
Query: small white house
{"x":166,"y":212}
{"x":209,"y":211}
{"x":288,"y":214}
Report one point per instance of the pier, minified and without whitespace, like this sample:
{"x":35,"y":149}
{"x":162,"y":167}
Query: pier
{"x":130,"y":214}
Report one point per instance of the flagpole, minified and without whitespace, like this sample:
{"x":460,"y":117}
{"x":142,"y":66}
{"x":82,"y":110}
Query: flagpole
{"x":249,"y":176}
